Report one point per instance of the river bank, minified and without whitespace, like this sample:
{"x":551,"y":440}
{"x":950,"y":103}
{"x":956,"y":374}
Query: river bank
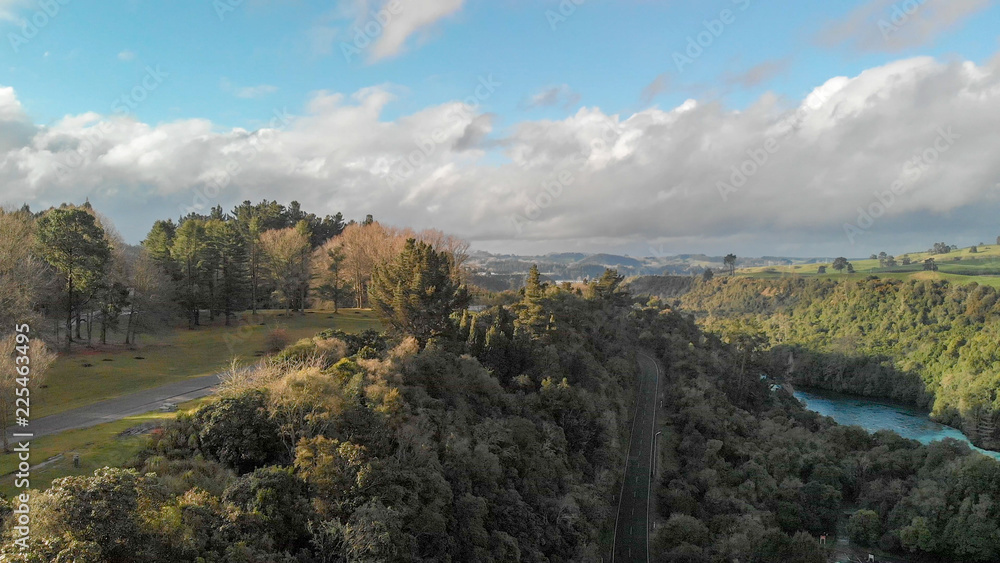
{"x":874,"y":415}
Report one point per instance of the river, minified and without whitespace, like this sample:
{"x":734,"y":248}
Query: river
{"x":876,"y":415}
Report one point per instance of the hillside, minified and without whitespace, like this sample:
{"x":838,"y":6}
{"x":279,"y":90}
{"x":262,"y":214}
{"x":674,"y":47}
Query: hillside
{"x":981,"y":262}
{"x":926,"y":342}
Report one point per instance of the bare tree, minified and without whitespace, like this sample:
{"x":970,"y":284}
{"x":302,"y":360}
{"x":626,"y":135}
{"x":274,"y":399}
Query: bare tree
{"x":286,"y":253}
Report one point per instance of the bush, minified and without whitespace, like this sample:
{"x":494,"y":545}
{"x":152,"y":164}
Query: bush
{"x":276,"y":339}
{"x":864,"y":528}
{"x":239,"y":432}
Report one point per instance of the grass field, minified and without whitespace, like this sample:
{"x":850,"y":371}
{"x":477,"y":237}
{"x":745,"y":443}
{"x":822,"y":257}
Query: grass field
{"x":960,"y":266}
{"x":175,"y":356}
{"x":98,"y":446}
{"x":88,"y":376}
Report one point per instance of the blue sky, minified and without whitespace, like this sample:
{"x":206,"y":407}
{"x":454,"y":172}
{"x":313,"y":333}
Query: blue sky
{"x":227,"y":66}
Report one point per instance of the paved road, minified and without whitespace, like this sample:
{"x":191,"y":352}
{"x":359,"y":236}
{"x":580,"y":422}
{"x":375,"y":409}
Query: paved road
{"x":631,"y":543}
{"x":116,"y":409}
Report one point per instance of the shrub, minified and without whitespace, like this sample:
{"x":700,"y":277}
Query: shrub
{"x":276,"y":339}
{"x":239,"y":432}
{"x":864,"y":528}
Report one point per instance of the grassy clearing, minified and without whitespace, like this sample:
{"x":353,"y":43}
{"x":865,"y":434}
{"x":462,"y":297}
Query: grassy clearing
{"x":88,"y":376}
{"x":982,"y":267}
{"x":98,"y":446}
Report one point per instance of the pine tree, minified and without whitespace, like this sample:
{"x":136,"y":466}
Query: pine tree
{"x":189,"y":251}
{"x":416,"y":294}
{"x":72,"y":242}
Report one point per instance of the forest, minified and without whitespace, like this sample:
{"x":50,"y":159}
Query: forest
{"x":500,"y":435}
{"x":932,"y":344}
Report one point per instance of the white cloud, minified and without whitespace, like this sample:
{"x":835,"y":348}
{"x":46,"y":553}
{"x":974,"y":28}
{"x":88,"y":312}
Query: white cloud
{"x":415,"y":16}
{"x":247,"y":92}
{"x":380,"y":29}
{"x":256,"y":91}
{"x":894,"y":25}
{"x":8,"y":9}
{"x":561,"y":95}
{"x":126,"y":56}
{"x":646,"y":179}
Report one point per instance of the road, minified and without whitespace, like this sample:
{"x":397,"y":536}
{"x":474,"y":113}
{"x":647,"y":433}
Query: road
{"x":121,"y":407}
{"x":631,"y":540}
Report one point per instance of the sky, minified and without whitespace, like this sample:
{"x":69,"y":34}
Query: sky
{"x":642,"y":127}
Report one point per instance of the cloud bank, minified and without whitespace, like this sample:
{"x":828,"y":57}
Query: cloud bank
{"x":659,"y":178}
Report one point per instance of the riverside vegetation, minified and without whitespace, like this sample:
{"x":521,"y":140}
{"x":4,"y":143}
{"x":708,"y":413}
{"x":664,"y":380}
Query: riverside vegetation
{"x":929,"y":343}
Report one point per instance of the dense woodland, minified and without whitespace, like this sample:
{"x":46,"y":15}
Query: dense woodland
{"x":500,"y":435}
{"x":929,"y":343}
{"x":750,"y":475}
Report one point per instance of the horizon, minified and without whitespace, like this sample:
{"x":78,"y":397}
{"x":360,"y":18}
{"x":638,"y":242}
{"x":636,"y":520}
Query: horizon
{"x":847,"y":130}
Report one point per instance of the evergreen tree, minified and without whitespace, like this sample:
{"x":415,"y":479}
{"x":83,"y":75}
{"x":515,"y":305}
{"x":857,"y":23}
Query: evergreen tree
{"x":72,"y":242}
{"x":416,"y":294}
{"x":189,"y":250}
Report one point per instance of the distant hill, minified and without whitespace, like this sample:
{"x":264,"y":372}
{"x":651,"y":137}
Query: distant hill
{"x":578,"y":266}
{"x":980,"y":264}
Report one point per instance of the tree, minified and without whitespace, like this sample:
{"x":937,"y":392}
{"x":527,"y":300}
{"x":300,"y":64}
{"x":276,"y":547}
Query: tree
{"x":974,"y":250}
{"x":850,"y":268}
{"x":102,"y":510}
{"x":607,"y":285}
{"x":707,"y":275}
{"x":328,"y":272}
{"x":906,"y":260}
{"x":22,"y":273}
{"x":930,"y":265}
{"x":232,"y":264}
{"x":821,"y":270}
{"x":73,"y":243}
{"x":151,"y":305}
{"x":39,"y":358}
{"x":286,"y":253}
{"x":730,"y":260}
{"x":238,"y":432}
{"x":882,"y":256}
{"x":189,"y":250}
{"x":840,"y":263}
{"x":416,"y":294}
{"x":277,"y":499}
{"x":864,"y":528}
{"x":365,"y":247}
